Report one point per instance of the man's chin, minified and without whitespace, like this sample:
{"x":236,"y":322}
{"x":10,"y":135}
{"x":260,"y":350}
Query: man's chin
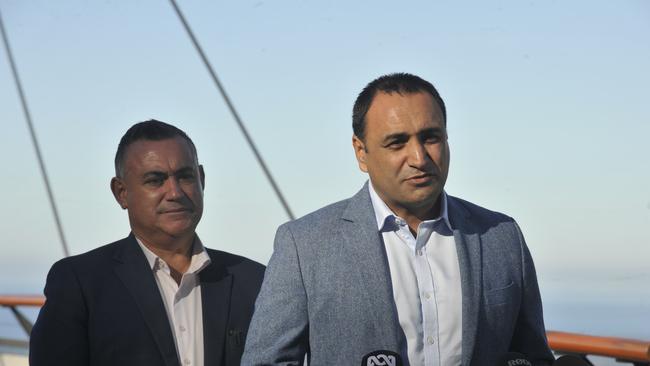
{"x":426,"y":192}
{"x":425,"y":197}
{"x":179,"y":228}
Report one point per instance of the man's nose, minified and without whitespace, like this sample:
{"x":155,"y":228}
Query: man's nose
{"x":417,"y":155}
{"x":174,"y":190}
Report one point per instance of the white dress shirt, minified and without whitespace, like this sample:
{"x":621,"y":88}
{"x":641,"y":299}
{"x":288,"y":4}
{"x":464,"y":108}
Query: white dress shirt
{"x":426,"y":283}
{"x":183,"y":302}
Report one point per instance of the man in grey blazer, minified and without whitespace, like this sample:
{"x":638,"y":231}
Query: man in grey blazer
{"x":401,"y":273}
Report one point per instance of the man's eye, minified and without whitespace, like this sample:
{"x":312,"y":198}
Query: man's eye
{"x":395,"y":145}
{"x":154,"y":181}
{"x":432,"y":139}
{"x":186,"y":177}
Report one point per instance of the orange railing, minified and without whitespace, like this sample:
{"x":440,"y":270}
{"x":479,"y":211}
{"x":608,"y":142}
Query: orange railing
{"x":622,"y":349}
{"x":22,"y":300}
{"x":12,"y":302}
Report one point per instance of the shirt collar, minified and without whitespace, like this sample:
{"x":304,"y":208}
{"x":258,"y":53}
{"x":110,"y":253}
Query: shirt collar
{"x":384,"y":215}
{"x":200,"y":258}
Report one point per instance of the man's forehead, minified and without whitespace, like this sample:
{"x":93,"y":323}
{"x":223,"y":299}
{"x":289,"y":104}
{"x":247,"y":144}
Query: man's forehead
{"x":395,"y":112}
{"x":171,"y":146}
{"x":174,"y":150}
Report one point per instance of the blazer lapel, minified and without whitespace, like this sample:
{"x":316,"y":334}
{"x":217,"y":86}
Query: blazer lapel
{"x":133,"y":270}
{"x":364,"y":244}
{"x":468,"y":247}
{"x":216,"y":287}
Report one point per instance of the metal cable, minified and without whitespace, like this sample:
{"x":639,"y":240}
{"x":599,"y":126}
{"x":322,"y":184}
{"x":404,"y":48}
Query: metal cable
{"x":231,"y":107}
{"x":32,"y":133}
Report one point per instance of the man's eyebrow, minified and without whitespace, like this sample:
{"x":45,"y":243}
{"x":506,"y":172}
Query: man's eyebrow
{"x":154,"y":173}
{"x":184,"y":170}
{"x":396,"y":136}
{"x":162,"y":174}
{"x":431,"y":131}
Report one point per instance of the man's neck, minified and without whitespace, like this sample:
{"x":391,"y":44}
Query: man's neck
{"x":176,"y":252}
{"x":415,"y":216}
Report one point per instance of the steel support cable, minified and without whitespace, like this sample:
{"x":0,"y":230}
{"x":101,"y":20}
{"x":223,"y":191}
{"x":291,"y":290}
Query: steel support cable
{"x":231,"y":107}
{"x":32,"y":133}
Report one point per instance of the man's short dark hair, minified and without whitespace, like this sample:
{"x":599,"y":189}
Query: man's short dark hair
{"x":401,"y":83}
{"x":151,"y":130}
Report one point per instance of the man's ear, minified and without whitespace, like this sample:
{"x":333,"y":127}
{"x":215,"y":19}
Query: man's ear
{"x":202,"y":177}
{"x":360,"y":152}
{"x":119,"y":192}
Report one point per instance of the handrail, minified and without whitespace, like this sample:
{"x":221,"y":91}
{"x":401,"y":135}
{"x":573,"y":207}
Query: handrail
{"x":619,"y":348}
{"x":12,"y":302}
{"x":22,"y":300}
{"x":631,"y":350}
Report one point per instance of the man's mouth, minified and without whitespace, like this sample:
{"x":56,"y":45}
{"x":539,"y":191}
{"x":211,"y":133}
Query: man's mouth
{"x":176,"y":210}
{"x":421,"y":178}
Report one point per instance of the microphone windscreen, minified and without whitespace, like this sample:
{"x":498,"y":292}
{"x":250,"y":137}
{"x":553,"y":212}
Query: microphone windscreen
{"x":569,"y":360}
{"x":382,"y":358}
{"x":514,"y":359}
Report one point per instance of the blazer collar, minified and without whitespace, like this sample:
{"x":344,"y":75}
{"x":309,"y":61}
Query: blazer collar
{"x":135,"y":273}
{"x":360,"y":209}
{"x":216,"y":287}
{"x":364,"y":244}
{"x":468,"y":248}
{"x":133,"y":270}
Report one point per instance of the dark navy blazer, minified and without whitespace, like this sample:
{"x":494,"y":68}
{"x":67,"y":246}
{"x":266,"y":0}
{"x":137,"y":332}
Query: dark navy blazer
{"x":104,"y":308}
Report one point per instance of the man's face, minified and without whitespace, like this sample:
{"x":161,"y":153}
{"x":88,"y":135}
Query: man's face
{"x":405,"y":151}
{"x":162,"y":188}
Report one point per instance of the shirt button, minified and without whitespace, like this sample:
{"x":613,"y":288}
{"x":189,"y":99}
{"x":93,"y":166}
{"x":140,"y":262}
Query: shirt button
{"x":427,"y":295}
{"x":186,"y":361}
{"x":419,"y":252}
{"x":182,"y":328}
{"x":430,"y":340}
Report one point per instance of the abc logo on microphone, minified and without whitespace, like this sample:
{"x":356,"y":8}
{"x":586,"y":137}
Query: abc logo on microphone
{"x":381,"y":358}
{"x":519,"y":362}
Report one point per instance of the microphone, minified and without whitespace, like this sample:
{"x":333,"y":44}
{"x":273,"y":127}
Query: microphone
{"x":514,"y":359}
{"x":382,"y":357}
{"x":569,"y":360}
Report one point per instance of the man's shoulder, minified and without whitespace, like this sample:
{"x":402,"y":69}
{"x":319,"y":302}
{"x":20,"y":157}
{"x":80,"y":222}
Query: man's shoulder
{"x":234,"y":263}
{"x":322,"y":218}
{"x":475,"y":212}
{"x":88,"y":267}
{"x":494,"y":227}
{"x":95,"y":257}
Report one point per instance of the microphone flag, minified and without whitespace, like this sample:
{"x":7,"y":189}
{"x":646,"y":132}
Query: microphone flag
{"x":382,"y":358}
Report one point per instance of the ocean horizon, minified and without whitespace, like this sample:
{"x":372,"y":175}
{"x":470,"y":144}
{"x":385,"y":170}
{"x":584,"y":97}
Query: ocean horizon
{"x":619,"y":307}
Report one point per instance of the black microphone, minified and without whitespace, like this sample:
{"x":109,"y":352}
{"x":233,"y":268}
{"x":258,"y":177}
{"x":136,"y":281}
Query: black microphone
{"x":568,"y":360}
{"x":382,"y":357}
{"x":514,"y":359}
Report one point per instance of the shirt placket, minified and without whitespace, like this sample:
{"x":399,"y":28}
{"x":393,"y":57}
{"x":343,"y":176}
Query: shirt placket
{"x":427,"y":293}
{"x":426,"y":299}
{"x":183,"y":320}
{"x":172,"y":290}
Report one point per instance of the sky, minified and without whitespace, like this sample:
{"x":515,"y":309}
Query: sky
{"x":547,"y":106}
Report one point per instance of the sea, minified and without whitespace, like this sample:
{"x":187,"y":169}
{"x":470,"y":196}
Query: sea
{"x":616,"y":307}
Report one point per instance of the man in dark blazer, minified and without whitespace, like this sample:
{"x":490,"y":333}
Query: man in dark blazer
{"x":157,"y":297}
{"x":401,"y":273}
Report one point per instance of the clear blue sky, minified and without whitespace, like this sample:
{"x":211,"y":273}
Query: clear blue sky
{"x":547,"y":104}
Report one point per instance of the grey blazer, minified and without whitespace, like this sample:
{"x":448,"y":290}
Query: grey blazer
{"x":327,"y":291}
